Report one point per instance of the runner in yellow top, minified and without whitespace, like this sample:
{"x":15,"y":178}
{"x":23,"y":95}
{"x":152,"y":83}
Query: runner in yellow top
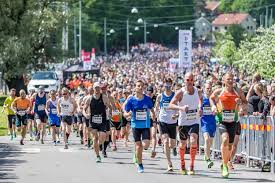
{"x":225,"y":104}
{"x":10,"y":113}
{"x":21,"y":106}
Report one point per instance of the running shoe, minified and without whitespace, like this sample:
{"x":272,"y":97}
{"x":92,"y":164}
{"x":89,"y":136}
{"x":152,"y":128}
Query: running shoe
{"x":114,"y":148}
{"x":191,"y":171}
{"x":31,"y":138}
{"x":184,"y":172}
{"x":89,"y":144}
{"x":170,"y":168}
{"x":14,"y":135}
{"x":77,"y":134}
{"x":225,"y":172}
{"x":54,"y":143}
{"x":159,"y":142}
{"x":98,"y":159}
{"x":11,"y":137}
{"x":66,"y":146}
{"x":21,"y":142}
{"x":42,"y":141}
{"x":140,"y":168}
{"x":230,"y":165}
{"x":175,"y":153}
{"x":209,"y":162}
{"x":104,"y":154}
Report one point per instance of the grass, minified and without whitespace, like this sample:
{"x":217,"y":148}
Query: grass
{"x":3,"y":123}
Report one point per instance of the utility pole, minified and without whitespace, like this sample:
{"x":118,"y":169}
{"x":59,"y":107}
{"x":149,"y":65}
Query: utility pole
{"x":75,"y":50}
{"x":65,"y":31}
{"x":266,"y":16}
{"x":271,"y":17}
{"x":127,"y":37}
{"x":105,"y":37}
{"x":80,"y":44}
{"x":145,"y":32}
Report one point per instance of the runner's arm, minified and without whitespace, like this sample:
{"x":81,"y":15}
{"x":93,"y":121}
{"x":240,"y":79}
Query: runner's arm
{"x":157,"y":104}
{"x":58,"y":107}
{"x":74,"y":105}
{"x":214,"y":99}
{"x":14,"y":106}
{"x":47,"y":107}
{"x":175,"y":100}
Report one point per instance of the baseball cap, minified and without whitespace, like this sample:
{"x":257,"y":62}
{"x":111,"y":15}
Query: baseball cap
{"x":96,"y":84}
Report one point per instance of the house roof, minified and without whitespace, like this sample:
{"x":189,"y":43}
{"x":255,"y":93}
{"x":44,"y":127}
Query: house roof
{"x":212,"y":5}
{"x":229,"y":19}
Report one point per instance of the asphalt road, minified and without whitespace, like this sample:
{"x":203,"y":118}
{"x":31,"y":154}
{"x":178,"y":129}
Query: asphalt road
{"x":45,"y":163}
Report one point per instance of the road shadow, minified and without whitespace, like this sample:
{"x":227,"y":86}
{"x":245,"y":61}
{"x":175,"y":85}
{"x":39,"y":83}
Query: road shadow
{"x":8,"y":162}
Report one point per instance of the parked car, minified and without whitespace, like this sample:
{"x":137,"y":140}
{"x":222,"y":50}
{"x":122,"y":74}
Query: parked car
{"x":48,"y":79}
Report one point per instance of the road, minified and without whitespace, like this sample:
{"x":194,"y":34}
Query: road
{"x":46,"y":163}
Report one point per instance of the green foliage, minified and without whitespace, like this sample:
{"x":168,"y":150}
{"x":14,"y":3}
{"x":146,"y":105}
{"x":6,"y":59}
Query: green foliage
{"x":237,"y":33}
{"x":258,"y":54}
{"x":2,"y":99}
{"x":26,"y":27}
{"x":3,"y":123}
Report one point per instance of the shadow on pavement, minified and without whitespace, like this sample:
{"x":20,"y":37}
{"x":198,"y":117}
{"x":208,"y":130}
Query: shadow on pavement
{"x":8,"y":162}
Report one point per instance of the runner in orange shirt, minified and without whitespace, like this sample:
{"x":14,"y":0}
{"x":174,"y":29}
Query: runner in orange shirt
{"x":21,"y":106}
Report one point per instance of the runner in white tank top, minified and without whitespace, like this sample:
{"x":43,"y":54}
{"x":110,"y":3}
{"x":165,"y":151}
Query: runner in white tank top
{"x":188,"y":102}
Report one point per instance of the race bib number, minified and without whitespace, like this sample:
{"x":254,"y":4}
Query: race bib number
{"x":141,"y":115}
{"x":191,"y":115}
{"x":165,"y":106}
{"x":21,"y":113}
{"x":41,"y":108}
{"x":97,"y":119}
{"x":54,"y":111}
{"x":228,"y":116}
{"x":115,"y":113}
{"x":207,"y":110}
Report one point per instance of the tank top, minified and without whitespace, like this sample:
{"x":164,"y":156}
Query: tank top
{"x":165,"y":114}
{"x":227,"y":107}
{"x":116,"y":114}
{"x":190,"y":117}
{"x":66,"y":107}
{"x":53,"y":109}
{"x":98,"y":110}
{"x":40,"y":104}
{"x":207,"y":114}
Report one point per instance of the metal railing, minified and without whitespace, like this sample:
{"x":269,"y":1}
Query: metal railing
{"x":257,"y":141}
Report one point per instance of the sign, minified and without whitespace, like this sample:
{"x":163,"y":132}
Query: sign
{"x":173,"y":64}
{"x":86,"y":58}
{"x":185,"y":49}
{"x":93,"y":57}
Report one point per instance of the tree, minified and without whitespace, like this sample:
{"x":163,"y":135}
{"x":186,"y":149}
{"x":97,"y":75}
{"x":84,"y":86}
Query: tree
{"x":237,"y":33}
{"x":258,"y":54}
{"x":25,"y":32}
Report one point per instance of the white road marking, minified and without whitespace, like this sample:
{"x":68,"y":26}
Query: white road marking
{"x":23,"y":150}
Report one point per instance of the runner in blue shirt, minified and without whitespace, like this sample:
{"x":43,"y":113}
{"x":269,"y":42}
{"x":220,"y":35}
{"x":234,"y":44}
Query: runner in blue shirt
{"x":139,"y":107}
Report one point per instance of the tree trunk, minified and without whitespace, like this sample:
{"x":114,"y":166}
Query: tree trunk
{"x":17,"y":83}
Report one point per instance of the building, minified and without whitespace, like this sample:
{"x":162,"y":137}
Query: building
{"x":202,"y":28}
{"x":222,"y":22}
{"x":211,"y":7}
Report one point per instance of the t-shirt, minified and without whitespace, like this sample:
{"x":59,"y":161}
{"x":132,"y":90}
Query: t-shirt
{"x":8,"y":103}
{"x":22,"y":104}
{"x":140,"y":111}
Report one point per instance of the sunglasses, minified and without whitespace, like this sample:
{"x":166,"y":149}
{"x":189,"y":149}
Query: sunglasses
{"x":65,"y":94}
{"x":189,"y":80}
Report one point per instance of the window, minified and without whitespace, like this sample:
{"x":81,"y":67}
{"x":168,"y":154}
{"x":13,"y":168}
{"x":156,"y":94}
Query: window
{"x":225,"y":27}
{"x":216,"y":28}
{"x":248,"y":27}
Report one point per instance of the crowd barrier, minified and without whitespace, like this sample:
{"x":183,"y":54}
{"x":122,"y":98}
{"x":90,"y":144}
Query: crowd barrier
{"x":257,"y":141}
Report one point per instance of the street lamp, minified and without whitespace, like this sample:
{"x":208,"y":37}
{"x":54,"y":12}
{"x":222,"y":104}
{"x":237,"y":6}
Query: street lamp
{"x":156,"y":25}
{"x":134,"y":10}
{"x":112,"y":31}
{"x":147,"y":32}
{"x":140,"y":21}
{"x":130,"y":34}
{"x":136,"y":28}
{"x":176,"y":28}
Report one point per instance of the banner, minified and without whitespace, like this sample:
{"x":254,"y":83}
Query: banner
{"x":173,"y":64}
{"x":86,"y":58}
{"x":185,"y":49}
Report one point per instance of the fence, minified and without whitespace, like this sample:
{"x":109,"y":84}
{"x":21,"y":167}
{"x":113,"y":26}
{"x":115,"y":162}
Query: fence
{"x":257,"y":141}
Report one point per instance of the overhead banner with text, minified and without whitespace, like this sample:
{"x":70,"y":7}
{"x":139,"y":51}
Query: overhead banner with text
{"x":185,"y":49}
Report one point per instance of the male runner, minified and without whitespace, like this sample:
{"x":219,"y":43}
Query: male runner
{"x":39,"y":113}
{"x":225,"y":104}
{"x":95,"y":108}
{"x":208,"y":124}
{"x":21,"y":106}
{"x":168,"y":126}
{"x":66,"y":107}
{"x":188,"y":102}
{"x":10,"y":113}
{"x":138,"y":107}
{"x":54,"y":120}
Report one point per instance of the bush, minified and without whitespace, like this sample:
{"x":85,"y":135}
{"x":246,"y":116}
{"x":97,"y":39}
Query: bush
{"x":2,"y":99}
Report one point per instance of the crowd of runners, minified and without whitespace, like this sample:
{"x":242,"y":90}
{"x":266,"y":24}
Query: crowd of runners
{"x":140,"y":96}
